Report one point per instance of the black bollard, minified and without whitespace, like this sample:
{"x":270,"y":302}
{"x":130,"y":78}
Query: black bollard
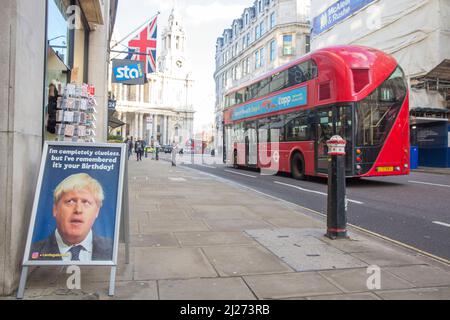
{"x":337,"y":199}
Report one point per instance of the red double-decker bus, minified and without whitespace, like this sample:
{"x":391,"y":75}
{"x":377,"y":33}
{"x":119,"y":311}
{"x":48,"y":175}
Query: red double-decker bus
{"x":284,"y":118}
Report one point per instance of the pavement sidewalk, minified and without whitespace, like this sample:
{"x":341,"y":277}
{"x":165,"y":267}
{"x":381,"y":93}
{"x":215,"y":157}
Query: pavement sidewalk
{"x":433,"y":170}
{"x":198,"y":238}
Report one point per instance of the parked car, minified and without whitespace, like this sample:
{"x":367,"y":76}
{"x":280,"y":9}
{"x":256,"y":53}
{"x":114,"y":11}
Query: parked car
{"x":167,"y":148}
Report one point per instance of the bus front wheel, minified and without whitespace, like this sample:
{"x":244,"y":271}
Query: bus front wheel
{"x":298,"y":167}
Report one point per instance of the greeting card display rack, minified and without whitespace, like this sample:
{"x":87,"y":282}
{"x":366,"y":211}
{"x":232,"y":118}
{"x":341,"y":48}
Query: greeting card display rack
{"x":75,"y":115}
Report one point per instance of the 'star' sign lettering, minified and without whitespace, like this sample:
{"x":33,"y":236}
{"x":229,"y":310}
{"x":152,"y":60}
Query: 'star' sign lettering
{"x":128,"y":72}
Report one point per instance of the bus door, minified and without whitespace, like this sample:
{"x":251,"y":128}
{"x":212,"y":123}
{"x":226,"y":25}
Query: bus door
{"x":336,"y":120}
{"x":324,"y":133}
{"x":251,"y":153}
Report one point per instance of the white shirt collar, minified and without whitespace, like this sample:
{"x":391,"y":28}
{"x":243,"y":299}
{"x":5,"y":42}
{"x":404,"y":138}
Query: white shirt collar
{"x":64,"y":248}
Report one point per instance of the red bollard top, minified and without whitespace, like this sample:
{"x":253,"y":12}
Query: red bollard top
{"x":336,"y":146}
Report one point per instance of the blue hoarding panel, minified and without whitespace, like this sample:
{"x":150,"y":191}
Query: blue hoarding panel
{"x":336,"y":13}
{"x":432,"y":139}
{"x":414,"y":158}
{"x":289,"y":99}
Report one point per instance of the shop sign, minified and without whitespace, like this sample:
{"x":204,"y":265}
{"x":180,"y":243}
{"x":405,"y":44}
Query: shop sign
{"x":128,"y":72}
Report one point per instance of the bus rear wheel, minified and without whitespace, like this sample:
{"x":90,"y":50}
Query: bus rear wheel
{"x":298,"y":167}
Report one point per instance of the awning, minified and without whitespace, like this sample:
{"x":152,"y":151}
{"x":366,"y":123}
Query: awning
{"x":113,"y":122}
{"x":93,"y":10}
{"x":441,"y":72}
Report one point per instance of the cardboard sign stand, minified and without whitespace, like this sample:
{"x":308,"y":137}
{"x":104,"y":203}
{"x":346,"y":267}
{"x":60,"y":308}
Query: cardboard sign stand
{"x":125,"y":238}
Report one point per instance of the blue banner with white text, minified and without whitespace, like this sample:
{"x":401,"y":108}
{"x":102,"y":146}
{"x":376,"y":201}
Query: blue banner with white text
{"x":289,"y":99}
{"x":336,"y":13}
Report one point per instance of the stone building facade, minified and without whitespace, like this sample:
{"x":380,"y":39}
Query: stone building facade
{"x":267,"y":35}
{"x":161,"y":109}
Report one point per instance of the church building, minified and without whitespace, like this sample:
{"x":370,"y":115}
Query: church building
{"x":162,"y":108}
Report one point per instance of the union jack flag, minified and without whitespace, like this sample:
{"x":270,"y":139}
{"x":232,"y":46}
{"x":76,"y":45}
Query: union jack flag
{"x":145,"y":42}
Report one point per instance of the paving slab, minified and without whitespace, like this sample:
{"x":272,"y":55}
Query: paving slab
{"x":355,"y":280}
{"x":171,"y":214}
{"x":352,"y":297}
{"x":131,"y":290}
{"x":205,"y":289}
{"x":59,"y":294}
{"x":237,"y":224}
{"x":171,"y":263}
{"x":355,"y":244}
{"x":292,"y":285}
{"x":297,"y":222}
{"x":242,"y":260}
{"x":198,"y":239}
{"x":440,"y":293}
{"x":384,"y":257}
{"x":303,"y":250}
{"x":422,"y":275}
{"x":153,"y":240}
{"x":221,"y":212}
{"x":43,"y":276}
{"x":178,"y":225}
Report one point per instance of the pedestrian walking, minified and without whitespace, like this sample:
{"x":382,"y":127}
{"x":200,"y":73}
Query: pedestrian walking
{"x":157,"y":147}
{"x":174,"y":154}
{"x":139,"y":149}
{"x":129,"y":143}
{"x":144,"y":143}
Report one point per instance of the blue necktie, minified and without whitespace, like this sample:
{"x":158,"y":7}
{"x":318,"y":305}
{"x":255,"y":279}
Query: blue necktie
{"x":76,"y":252}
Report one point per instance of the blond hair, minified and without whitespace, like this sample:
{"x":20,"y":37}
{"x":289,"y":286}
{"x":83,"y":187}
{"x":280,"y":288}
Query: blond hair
{"x":79,"y":182}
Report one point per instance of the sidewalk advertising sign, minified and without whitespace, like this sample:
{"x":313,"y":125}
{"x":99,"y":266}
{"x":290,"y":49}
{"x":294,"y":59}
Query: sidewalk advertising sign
{"x":77,"y":205}
{"x":128,"y":72}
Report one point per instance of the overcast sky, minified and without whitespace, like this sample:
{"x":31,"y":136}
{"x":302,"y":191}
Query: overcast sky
{"x":204,"y":21}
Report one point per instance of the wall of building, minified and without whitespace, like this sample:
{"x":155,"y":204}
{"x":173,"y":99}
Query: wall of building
{"x":291,"y":17}
{"x":415,"y":32}
{"x":98,"y":71}
{"x":21,"y":97}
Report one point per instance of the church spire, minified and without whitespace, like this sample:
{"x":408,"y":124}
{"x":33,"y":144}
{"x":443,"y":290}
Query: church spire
{"x":173,"y":57}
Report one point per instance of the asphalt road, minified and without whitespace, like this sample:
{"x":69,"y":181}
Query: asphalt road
{"x":412,"y":209}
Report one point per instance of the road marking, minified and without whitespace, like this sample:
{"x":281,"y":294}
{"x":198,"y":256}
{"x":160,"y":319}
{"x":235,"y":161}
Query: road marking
{"x":313,"y":191}
{"x":241,"y":174}
{"x":430,"y":184}
{"x":317,"y":213}
{"x":177,"y":179}
{"x":442,"y":224}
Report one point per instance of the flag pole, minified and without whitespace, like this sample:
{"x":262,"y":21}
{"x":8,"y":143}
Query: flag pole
{"x":135,"y":30}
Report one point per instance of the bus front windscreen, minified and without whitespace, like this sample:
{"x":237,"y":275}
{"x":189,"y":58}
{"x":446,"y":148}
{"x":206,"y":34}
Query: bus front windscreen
{"x":377,"y":113}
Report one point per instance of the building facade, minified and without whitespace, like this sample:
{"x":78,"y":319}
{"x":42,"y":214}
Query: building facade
{"x":268,"y":34}
{"x":41,"y":41}
{"x":162,"y":108}
{"x":417,"y":34}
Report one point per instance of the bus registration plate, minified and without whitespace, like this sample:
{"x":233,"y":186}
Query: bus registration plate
{"x":385,"y":169}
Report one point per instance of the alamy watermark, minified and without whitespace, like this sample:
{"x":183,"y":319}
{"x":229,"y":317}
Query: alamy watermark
{"x":374,"y":280}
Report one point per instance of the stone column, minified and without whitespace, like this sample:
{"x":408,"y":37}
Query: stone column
{"x":155,"y":127}
{"x":164,"y":134}
{"x":136,"y":124}
{"x":141,"y":125}
{"x":124,"y":128}
{"x":21,"y":110}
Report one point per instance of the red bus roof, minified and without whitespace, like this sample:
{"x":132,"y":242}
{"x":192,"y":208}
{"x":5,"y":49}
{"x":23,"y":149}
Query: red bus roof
{"x":348,"y":56}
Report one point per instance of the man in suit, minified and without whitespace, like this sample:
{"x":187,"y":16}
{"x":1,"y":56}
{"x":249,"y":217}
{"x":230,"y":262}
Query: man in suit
{"x":76,"y":205}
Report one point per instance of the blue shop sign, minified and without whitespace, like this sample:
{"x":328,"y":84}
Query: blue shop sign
{"x":128,"y":72}
{"x":289,"y":99}
{"x":336,"y":13}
